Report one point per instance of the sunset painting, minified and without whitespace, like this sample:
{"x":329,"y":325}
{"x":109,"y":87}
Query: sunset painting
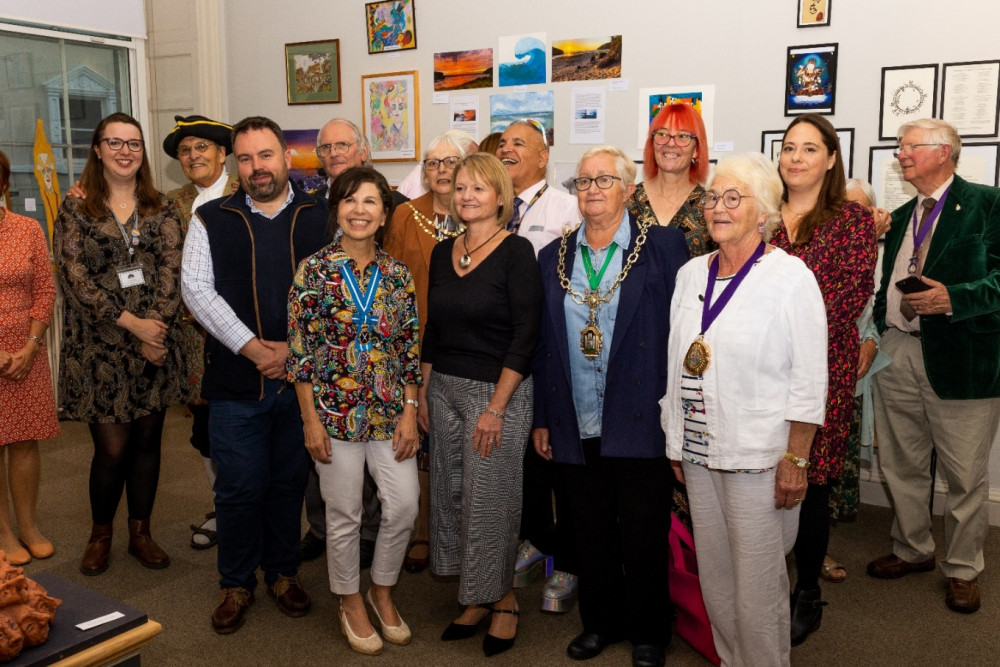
{"x":587,"y":59}
{"x":456,"y":70}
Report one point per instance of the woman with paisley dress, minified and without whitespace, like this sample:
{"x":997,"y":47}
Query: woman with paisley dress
{"x":416,"y":227}
{"x":675,"y":163}
{"x":119,"y":258}
{"x":836,"y":239}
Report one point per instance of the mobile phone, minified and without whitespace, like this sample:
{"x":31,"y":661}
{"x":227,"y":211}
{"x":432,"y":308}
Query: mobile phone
{"x":912,"y":284}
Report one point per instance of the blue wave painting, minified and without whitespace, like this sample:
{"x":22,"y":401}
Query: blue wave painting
{"x":529,"y":67}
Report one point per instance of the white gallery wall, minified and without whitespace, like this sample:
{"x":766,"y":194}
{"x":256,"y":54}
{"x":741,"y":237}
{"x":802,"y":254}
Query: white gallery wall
{"x":739,"y":47}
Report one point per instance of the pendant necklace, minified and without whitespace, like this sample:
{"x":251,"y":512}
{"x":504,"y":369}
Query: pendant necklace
{"x":699,"y":354}
{"x":466,"y":259}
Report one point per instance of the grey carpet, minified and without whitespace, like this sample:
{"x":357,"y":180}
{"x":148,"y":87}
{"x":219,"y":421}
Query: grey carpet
{"x":868,"y":622}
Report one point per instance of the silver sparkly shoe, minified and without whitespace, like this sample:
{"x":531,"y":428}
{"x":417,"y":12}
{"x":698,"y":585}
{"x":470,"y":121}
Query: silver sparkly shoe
{"x":559,"y":593}
{"x":530,"y":562}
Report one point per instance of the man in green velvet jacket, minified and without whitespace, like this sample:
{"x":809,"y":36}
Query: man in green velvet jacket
{"x":941,"y":390}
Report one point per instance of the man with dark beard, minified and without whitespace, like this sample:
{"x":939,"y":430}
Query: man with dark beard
{"x":240,"y":256}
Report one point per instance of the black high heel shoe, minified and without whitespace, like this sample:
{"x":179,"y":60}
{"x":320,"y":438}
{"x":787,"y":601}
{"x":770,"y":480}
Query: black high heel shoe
{"x":493,"y":645}
{"x":456,"y":631}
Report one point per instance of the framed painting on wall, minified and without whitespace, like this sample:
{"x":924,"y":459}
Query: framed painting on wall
{"x":391,"y":25}
{"x":312,"y":72}
{"x":811,"y":79}
{"x":813,"y":13}
{"x":390,"y":111}
{"x":908,"y":93}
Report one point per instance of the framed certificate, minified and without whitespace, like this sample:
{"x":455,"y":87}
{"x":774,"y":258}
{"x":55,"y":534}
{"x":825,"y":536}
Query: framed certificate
{"x":969,"y":97}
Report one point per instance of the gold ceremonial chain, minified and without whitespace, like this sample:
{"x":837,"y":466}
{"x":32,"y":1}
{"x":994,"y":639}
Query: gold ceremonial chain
{"x":591,"y":336}
{"x":592,"y":298}
{"x":432,"y":227}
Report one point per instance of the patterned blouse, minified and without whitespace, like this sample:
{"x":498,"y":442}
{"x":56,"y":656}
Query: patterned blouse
{"x":358,"y":394}
{"x":690,"y":219}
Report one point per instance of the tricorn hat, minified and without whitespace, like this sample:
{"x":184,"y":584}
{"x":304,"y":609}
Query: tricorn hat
{"x":201,"y":127}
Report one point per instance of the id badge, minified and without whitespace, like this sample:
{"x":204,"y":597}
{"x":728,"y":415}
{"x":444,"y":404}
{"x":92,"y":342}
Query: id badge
{"x":131,"y":276}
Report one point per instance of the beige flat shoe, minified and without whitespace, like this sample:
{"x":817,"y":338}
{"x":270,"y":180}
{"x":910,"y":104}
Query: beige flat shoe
{"x":399,"y":635}
{"x":371,"y":645}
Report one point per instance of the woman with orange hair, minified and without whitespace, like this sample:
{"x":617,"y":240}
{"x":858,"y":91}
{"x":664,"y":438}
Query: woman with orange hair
{"x":675,"y":163}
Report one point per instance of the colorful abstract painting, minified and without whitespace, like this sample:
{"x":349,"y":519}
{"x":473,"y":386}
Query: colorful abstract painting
{"x":391,"y":26}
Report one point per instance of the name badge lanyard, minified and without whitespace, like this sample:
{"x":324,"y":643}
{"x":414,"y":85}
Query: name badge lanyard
{"x":699,"y":354}
{"x":531,"y":203}
{"x":131,"y":239}
{"x":920,"y":234}
{"x":362,"y":317}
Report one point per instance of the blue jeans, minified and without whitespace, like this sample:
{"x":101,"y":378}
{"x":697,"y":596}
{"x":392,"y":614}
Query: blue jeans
{"x":262,"y":462}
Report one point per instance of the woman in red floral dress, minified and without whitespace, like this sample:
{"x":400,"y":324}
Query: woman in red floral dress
{"x":836,"y":239}
{"x":27,"y":406}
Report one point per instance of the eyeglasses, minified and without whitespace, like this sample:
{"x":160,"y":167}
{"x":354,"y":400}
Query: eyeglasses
{"x":730,"y":199}
{"x":115,"y":144}
{"x":603,"y":182}
{"x":449,"y":162}
{"x":681,"y":139}
{"x":199,"y":147}
{"x":909,"y":148}
{"x":337,"y":147}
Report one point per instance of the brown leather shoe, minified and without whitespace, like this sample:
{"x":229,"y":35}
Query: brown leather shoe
{"x":231,"y":610}
{"x":292,"y":599}
{"x":142,"y":546}
{"x":894,"y":567}
{"x":963,"y":596}
{"x":95,"y":555}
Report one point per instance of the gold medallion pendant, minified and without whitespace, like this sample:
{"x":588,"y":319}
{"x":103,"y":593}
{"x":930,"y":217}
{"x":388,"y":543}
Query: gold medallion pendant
{"x":591,"y":340}
{"x":698,"y":357}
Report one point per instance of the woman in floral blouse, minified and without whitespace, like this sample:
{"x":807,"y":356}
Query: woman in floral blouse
{"x":353,"y":356}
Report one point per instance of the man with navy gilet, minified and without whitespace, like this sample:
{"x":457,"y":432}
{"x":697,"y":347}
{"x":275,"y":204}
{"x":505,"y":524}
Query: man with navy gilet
{"x":240,"y":256}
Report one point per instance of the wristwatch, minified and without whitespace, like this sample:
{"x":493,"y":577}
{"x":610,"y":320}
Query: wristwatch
{"x":801,"y":463}
{"x":413,"y":402}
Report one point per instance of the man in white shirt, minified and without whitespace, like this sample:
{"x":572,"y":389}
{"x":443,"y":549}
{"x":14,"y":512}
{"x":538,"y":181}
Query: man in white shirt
{"x":541,"y":211}
{"x":541,"y":214}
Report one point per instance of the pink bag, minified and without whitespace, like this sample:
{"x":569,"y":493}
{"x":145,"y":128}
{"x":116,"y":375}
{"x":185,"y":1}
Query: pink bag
{"x":685,"y":593}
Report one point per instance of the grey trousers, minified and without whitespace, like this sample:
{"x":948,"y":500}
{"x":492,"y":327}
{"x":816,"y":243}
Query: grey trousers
{"x":475,"y":501}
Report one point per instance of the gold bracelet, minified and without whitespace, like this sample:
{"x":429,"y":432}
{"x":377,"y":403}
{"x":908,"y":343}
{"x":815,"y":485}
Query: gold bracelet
{"x":37,"y":340}
{"x":498,"y":415}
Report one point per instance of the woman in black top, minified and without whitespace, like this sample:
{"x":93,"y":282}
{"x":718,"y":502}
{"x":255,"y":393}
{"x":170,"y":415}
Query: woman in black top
{"x":485,"y":300}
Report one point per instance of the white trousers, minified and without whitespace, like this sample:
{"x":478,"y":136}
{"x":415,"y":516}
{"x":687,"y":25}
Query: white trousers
{"x":741,"y":541}
{"x":341,"y":484}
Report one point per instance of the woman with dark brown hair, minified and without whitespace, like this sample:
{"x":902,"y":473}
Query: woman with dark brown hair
{"x":836,"y":239}
{"x":119,"y":256}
